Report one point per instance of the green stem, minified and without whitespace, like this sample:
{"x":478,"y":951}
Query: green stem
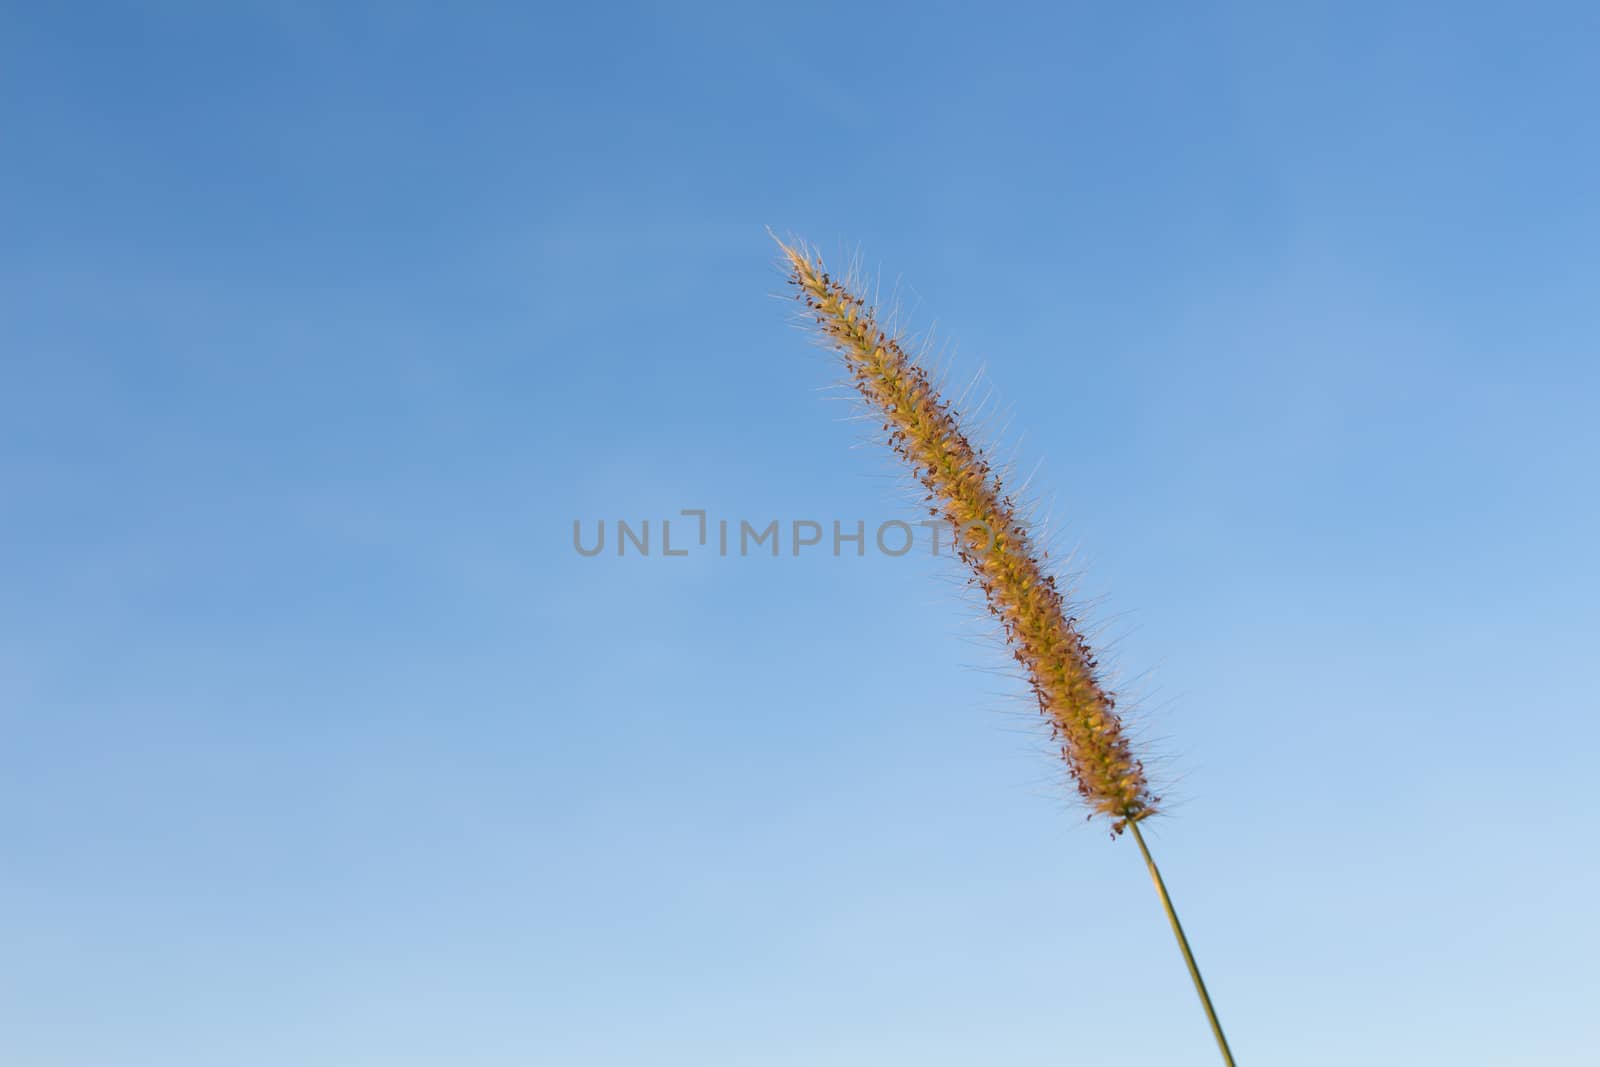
{"x":1183,"y":943}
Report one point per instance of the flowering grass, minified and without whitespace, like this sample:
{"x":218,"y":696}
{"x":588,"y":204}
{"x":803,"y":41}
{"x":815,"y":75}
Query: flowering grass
{"x":994,"y":542}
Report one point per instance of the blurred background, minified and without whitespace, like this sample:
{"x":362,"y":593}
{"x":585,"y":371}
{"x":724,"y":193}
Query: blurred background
{"x":322,"y":323}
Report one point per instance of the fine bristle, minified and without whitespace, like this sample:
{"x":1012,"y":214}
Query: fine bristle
{"x":991,"y":538}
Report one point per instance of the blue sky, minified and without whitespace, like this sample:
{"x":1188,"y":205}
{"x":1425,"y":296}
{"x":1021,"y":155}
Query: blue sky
{"x":321,"y":323}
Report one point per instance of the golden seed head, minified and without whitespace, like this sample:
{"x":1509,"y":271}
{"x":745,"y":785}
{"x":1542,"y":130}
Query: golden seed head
{"x":963,"y":490}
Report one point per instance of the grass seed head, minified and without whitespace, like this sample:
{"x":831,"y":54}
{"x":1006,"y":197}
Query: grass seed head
{"x":990,"y":538}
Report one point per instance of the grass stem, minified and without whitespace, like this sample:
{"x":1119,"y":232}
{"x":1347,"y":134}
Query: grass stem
{"x":1183,"y":943}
